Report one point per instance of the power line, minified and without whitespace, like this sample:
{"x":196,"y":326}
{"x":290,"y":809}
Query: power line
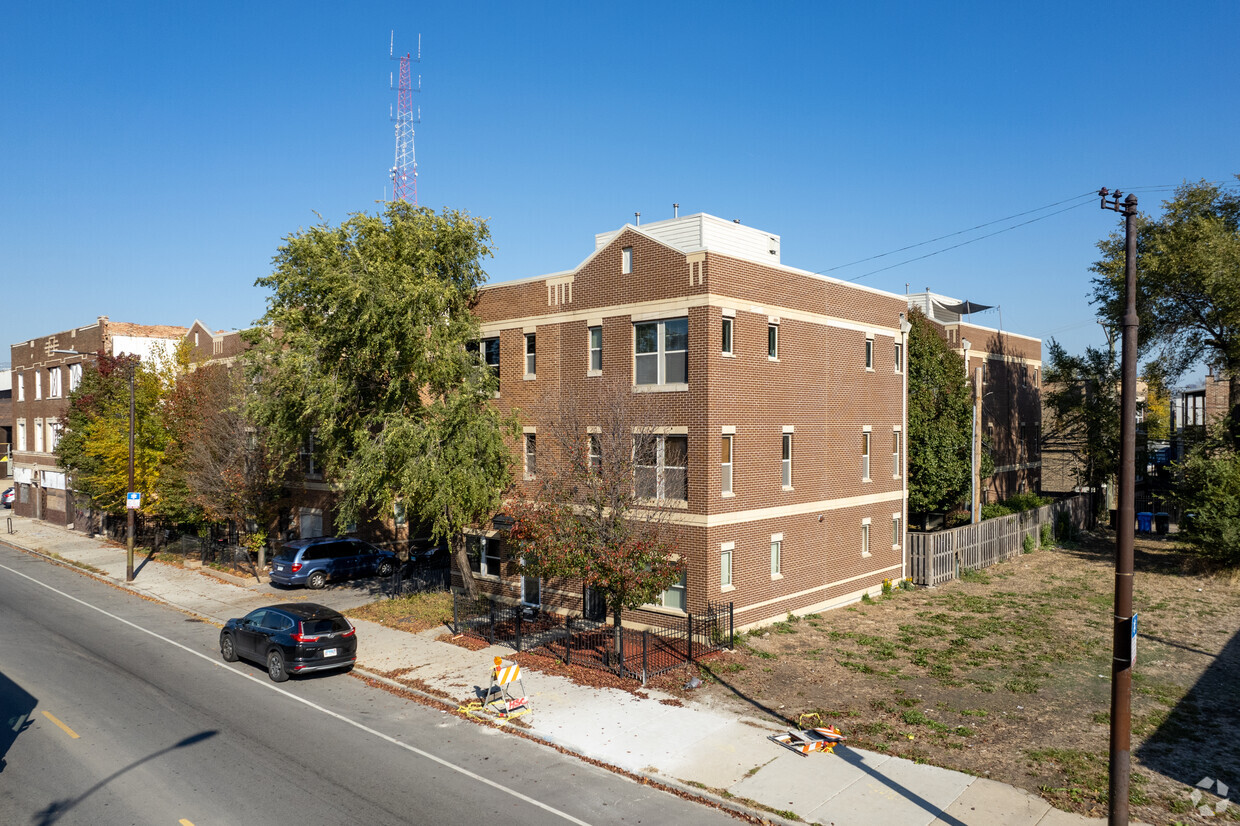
{"x":1091,"y":193}
{"x":970,"y":241}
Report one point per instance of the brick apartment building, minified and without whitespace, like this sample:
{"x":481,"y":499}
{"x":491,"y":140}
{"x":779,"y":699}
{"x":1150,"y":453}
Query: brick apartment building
{"x":1011,"y":394}
{"x":42,"y":381}
{"x":780,"y":399}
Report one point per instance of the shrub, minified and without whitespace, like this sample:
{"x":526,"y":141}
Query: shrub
{"x":1026,"y":501}
{"x":1027,"y":543}
{"x":1048,"y":536}
{"x":994,"y":509}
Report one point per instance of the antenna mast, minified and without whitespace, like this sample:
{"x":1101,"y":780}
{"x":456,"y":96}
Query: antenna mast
{"x":404,"y":172}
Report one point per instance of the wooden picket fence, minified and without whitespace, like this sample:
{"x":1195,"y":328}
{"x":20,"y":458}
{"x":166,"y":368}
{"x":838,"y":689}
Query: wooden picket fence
{"x":938,"y":557}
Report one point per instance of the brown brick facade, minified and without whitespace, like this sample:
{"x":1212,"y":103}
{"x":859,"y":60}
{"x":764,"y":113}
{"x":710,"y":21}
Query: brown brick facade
{"x":818,"y":391}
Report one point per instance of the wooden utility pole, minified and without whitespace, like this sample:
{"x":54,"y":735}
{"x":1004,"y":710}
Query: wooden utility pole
{"x":1125,"y":639}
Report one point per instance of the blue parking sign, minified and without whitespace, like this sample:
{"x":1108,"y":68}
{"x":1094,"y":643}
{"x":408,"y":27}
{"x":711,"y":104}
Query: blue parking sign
{"x":133,"y":500}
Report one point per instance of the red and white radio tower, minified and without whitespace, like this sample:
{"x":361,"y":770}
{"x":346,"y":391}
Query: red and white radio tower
{"x":404,"y":172}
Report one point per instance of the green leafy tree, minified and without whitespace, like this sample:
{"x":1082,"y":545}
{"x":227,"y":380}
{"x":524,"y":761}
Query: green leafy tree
{"x":598,"y":509}
{"x":94,"y":448}
{"x":1081,"y":396}
{"x":1188,"y":285}
{"x":1208,"y":491}
{"x":364,"y":345}
{"x":940,"y":417}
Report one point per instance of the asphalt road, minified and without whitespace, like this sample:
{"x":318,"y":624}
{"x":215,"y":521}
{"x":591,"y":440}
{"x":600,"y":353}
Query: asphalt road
{"x":118,"y":710}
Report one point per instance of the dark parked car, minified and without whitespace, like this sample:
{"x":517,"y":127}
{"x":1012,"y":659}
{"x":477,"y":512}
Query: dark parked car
{"x":9,"y":496}
{"x":294,"y":638}
{"x":312,"y":562}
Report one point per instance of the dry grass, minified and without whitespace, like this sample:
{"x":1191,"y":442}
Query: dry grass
{"x":1006,"y":674}
{"x":416,"y":612}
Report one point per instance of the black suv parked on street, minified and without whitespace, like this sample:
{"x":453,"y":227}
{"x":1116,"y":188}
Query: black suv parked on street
{"x":294,"y":638}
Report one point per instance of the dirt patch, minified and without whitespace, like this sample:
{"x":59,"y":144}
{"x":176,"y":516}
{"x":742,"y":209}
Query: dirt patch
{"x":1006,"y":674}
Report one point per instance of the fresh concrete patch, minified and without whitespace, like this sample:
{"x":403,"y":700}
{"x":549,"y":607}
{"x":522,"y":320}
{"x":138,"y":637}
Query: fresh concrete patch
{"x":902,"y":792}
{"x":995,"y":804}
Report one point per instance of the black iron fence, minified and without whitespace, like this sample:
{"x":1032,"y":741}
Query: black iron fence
{"x":626,"y":652}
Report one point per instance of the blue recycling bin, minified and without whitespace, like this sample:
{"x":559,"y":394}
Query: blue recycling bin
{"x":1145,"y":521}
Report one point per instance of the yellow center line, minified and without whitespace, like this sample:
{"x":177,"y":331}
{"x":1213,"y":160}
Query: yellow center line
{"x":184,"y":822}
{"x":63,"y":727}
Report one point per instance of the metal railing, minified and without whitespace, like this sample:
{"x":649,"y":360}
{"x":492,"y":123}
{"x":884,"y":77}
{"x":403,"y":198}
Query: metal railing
{"x":631,"y":653}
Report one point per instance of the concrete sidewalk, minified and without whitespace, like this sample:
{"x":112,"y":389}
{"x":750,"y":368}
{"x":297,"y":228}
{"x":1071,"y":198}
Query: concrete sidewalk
{"x":705,"y":751}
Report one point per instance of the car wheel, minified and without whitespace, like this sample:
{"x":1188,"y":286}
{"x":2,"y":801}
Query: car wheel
{"x":317,"y":580}
{"x":275,"y":666}
{"x":385,"y":568}
{"x":228,"y":649}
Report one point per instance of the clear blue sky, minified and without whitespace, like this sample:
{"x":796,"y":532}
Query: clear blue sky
{"x":153,"y":155}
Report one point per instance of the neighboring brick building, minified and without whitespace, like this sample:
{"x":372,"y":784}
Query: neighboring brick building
{"x":1194,"y":408}
{"x":787,"y":383}
{"x":1011,"y":394}
{"x":42,"y":381}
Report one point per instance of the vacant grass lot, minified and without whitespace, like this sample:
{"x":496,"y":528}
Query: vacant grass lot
{"x":1006,"y":674}
{"x":413,"y":613}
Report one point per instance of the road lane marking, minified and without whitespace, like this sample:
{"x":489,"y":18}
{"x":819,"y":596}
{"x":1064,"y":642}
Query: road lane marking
{"x":184,"y":822}
{"x":63,"y":727}
{"x":267,"y":685}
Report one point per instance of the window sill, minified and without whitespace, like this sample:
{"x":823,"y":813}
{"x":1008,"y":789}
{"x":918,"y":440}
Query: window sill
{"x":726,"y":589}
{"x":679,"y":504}
{"x":485,"y":577}
{"x":866,"y":480}
{"x":788,"y":487}
{"x":869,"y":369}
{"x":776,"y":576}
{"x":660,"y":388}
{"x":772,"y":358}
{"x":592,"y":373}
{"x":529,"y":478}
{"x":661,"y":609}
{"x":895,"y":547}
{"x":529,"y":377}
{"x":728,"y":355}
{"x":866,"y":554}
{"x":727,"y":494}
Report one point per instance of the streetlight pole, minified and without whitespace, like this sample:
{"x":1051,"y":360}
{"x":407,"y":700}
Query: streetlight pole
{"x":128,"y":510}
{"x":1124,"y":643}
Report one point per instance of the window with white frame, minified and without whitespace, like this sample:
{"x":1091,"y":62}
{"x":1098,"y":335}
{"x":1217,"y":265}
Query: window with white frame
{"x":53,"y":383}
{"x":54,"y":431}
{"x":21,"y":434}
{"x":869,"y":354}
{"x":661,"y":351}
{"x":895,"y":531}
{"x":488,"y":351}
{"x":21,"y":386}
{"x":895,"y":453}
{"x":596,"y":349}
{"x":725,"y":565}
{"x":594,"y":452}
{"x":529,"y":354}
{"x":313,"y":471}
{"x":772,"y":341}
{"x":865,"y":537}
{"x":726,"y":344}
{"x":786,"y":460}
{"x":38,"y":434}
{"x":399,"y":517}
{"x":75,"y":376}
{"x":674,"y":596}
{"x":38,"y":384}
{"x":777,"y":552}
{"x":483,"y":554}
{"x":865,"y":454}
{"x":661,"y":467}
{"x":626,"y":260}
{"x":899,"y":360}
{"x":531,"y":455}
{"x":725,"y":464}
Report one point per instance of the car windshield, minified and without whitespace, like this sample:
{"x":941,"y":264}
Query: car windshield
{"x":311,"y":627}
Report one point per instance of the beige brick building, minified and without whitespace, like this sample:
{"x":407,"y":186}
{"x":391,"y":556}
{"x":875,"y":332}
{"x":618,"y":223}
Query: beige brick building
{"x":780,"y":394}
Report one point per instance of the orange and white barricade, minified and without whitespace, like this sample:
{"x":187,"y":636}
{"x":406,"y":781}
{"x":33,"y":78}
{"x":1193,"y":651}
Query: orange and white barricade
{"x":503,"y":676}
{"x":805,"y":741}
